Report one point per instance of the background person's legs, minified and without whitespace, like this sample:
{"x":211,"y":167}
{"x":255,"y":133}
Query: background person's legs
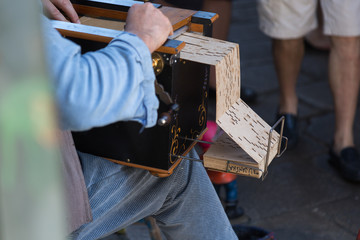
{"x":288,"y":55}
{"x":287,"y":22}
{"x":342,"y":24}
{"x":344,"y":78}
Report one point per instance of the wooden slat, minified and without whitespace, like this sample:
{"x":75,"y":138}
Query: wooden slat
{"x":195,"y":27}
{"x":99,"y":12}
{"x":171,"y":50}
{"x":178,"y":17}
{"x":106,"y":35}
{"x":203,"y":17}
{"x":118,"y":25}
{"x":80,"y":35}
{"x":104,"y":23}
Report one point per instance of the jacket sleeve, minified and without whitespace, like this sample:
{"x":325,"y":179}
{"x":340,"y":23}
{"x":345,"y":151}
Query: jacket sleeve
{"x":97,"y":88}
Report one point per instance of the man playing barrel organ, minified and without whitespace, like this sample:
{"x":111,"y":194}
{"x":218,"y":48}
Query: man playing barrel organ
{"x":113,"y":84}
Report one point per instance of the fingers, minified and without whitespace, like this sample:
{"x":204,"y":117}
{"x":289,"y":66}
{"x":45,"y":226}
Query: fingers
{"x":150,"y":24}
{"x":52,"y":12}
{"x":171,"y":30}
{"x":68,"y":9}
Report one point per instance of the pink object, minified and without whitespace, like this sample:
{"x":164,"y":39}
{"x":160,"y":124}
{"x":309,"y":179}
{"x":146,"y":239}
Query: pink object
{"x":209,"y":135}
{"x":215,"y":177}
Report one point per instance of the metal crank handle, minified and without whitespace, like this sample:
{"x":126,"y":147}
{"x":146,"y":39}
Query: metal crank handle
{"x":165,"y":117}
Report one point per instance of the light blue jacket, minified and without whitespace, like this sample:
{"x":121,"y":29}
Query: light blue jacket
{"x":113,"y":84}
{"x":97,"y":88}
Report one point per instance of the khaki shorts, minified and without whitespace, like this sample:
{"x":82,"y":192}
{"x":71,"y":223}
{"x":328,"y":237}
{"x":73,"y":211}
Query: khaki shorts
{"x":286,"y":19}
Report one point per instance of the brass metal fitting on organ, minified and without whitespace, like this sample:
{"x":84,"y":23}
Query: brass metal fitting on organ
{"x":157,"y":63}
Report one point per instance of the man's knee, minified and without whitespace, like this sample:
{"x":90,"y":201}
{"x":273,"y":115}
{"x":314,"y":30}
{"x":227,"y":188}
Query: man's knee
{"x":290,"y":44}
{"x":346,"y":48}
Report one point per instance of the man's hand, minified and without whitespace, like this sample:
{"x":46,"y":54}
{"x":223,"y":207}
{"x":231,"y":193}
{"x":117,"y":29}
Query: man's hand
{"x":148,"y":23}
{"x":51,"y":8}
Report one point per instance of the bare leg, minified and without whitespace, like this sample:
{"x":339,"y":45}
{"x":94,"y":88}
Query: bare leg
{"x":288,"y":55}
{"x":222,"y":24}
{"x":344,"y":77}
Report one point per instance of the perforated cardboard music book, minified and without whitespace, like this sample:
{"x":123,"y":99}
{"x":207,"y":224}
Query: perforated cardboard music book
{"x":225,"y":57}
{"x":244,"y":148}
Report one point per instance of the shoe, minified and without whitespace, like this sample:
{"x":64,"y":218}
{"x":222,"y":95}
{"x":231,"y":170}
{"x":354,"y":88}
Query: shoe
{"x":291,"y":130}
{"x":248,"y":95}
{"x":233,"y":211}
{"x":347,"y":163}
{"x":252,"y":233}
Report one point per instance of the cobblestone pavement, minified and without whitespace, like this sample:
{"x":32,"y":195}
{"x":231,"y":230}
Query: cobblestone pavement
{"x":302,"y":198}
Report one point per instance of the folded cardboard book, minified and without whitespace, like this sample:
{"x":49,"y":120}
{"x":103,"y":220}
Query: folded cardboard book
{"x":248,"y":144}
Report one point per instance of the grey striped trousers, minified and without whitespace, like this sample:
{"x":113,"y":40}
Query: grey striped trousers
{"x":185,"y":205}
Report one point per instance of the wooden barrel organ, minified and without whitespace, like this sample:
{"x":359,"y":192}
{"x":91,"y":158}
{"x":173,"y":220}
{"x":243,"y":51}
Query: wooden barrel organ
{"x":182,"y":89}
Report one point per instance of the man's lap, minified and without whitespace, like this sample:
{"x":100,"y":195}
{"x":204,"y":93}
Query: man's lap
{"x":121,"y":195}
